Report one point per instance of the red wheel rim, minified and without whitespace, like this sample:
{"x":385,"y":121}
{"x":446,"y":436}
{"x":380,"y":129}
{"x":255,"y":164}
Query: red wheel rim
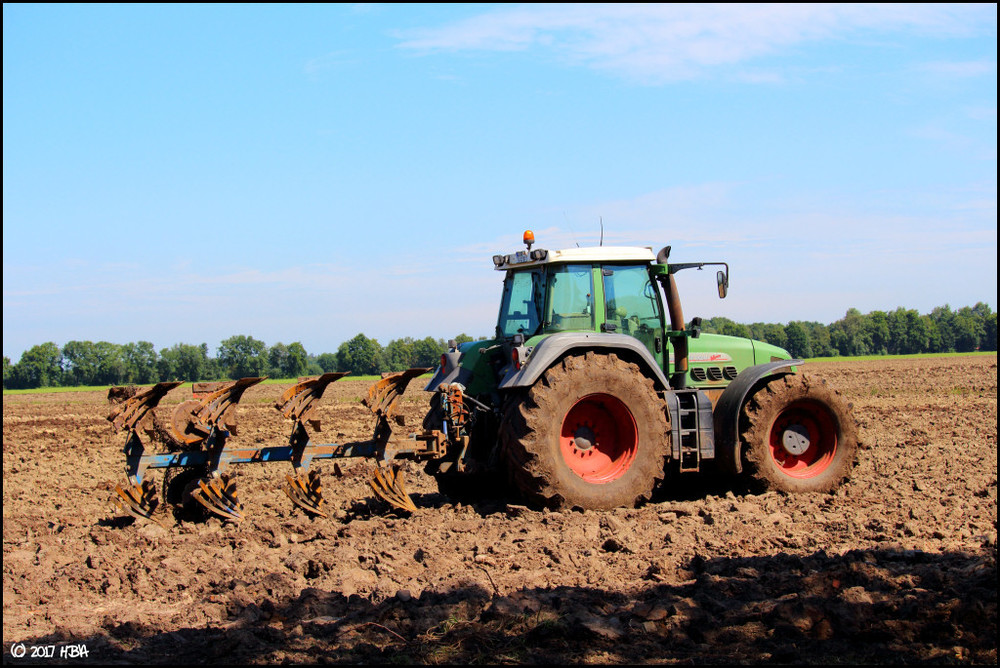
{"x":816,"y":424}
{"x":599,"y":438}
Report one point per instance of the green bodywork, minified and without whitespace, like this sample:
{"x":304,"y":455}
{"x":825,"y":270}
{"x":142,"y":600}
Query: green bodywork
{"x":483,"y":381}
{"x":710,"y":356}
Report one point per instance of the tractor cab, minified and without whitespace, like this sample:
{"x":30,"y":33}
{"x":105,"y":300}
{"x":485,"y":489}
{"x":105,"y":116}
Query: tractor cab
{"x":602,"y":290}
{"x":582,"y":292}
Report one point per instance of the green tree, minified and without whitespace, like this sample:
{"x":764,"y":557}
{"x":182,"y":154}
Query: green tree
{"x":361,"y":356}
{"x":769,"y":333}
{"x":398,"y":355}
{"x":427,"y":352}
{"x":944,"y":318}
{"x":112,"y":368}
{"x":933,"y":334}
{"x":798,"y":340}
{"x":297,"y":362}
{"x":877,"y":325}
{"x":277,"y":360}
{"x":969,"y":330}
{"x":327,"y":362}
{"x":987,"y":326}
{"x":242,"y":356}
{"x":211,"y":368}
{"x":80,"y":363}
{"x":141,"y":360}
{"x":713,"y":325}
{"x":89,"y":363}
{"x":289,"y":361}
{"x":849,"y":335}
{"x":40,"y":366}
{"x":184,"y":361}
{"x":735,"y":329}
{"x":819,"y":339}
{"x":909,"y":332}
{"x":990,"y":333}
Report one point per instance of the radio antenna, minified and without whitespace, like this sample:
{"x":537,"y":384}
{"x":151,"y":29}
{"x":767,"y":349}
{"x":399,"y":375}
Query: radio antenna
{"x":571,"y":230}
{"x":602,"y":230}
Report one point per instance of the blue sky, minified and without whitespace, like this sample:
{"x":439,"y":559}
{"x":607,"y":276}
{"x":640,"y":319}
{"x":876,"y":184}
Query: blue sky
{"x":304,"y":173}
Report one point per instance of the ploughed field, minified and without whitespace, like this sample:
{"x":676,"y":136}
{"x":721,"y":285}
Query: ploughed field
{"x":897,"y":566}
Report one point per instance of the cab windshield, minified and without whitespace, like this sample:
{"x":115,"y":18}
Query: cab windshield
{"x":521,"y":309}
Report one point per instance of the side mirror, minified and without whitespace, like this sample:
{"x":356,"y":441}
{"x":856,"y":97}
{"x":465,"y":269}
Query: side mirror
{"x":722,"y":279}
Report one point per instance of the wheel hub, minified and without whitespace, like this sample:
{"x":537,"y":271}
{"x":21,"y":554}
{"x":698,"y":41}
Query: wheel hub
{"x":795,"y":439}
{"x":584,"y":438}
{"x":803,"y":439}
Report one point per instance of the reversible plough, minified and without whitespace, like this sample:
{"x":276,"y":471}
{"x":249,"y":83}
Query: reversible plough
{"x":200,"y":432}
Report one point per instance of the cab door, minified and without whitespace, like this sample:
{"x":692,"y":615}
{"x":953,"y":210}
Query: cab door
{"x":632,"y":306}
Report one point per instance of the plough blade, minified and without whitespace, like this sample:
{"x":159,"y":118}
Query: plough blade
{"x":194,"y":420}
{"x":139,"y":501}
{"x":129,"y":412}
{"x":306,"y":491}
{"x":218,"y":496}
{"x":298,"y":402}
{"x":383,"y":395}
{"x":389,"y":487}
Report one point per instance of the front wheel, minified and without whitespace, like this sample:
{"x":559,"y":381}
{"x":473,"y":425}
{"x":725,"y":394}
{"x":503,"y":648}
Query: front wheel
{"x":592,"y":433}
{"x":799,"y":435}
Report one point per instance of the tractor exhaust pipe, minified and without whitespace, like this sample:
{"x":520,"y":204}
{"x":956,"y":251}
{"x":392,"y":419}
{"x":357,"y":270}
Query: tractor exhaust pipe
{"x":679,"y":343}
{"x":678,"y":378}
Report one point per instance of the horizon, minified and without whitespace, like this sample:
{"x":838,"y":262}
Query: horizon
{"x":213,"y":350}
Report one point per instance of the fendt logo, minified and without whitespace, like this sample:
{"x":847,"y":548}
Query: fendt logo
{"x":706,"y":357}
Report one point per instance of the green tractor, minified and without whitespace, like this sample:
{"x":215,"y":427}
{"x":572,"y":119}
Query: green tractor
{"x":593,"y":390}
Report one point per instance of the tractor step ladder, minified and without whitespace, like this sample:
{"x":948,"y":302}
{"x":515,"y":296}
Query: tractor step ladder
{"x":691,"y":428}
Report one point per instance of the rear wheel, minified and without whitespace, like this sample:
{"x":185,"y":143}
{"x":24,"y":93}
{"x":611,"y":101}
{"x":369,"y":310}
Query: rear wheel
{"x":591,"y":433}
{"x":799,"y":435}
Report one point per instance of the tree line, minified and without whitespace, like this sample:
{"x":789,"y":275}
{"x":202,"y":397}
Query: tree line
{"x":903,"y":331}
{"x":899,"y":332}
{"x":103,"y":363}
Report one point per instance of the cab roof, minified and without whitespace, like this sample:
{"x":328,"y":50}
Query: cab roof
{"x":590,"y":255}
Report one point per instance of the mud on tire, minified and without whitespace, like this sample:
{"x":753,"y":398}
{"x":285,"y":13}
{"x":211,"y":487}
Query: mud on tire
{"x":798,"y":435}
{"x":591,"y":433}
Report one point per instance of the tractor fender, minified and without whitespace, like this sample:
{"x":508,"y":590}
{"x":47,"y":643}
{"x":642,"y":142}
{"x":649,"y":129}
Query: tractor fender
{"x":726,"y":418}
{"x":555,"y":346}
{"x":451,"y":372}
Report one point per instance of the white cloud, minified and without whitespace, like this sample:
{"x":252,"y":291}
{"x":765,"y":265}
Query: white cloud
{"x":668,"y":42}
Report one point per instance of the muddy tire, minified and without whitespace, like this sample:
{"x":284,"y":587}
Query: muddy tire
{"x":591,"y":433}
{"x":798,"y":435}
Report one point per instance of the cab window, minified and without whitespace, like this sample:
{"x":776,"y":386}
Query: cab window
{"x":570,"y":305}
{"x":630,"y":301}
